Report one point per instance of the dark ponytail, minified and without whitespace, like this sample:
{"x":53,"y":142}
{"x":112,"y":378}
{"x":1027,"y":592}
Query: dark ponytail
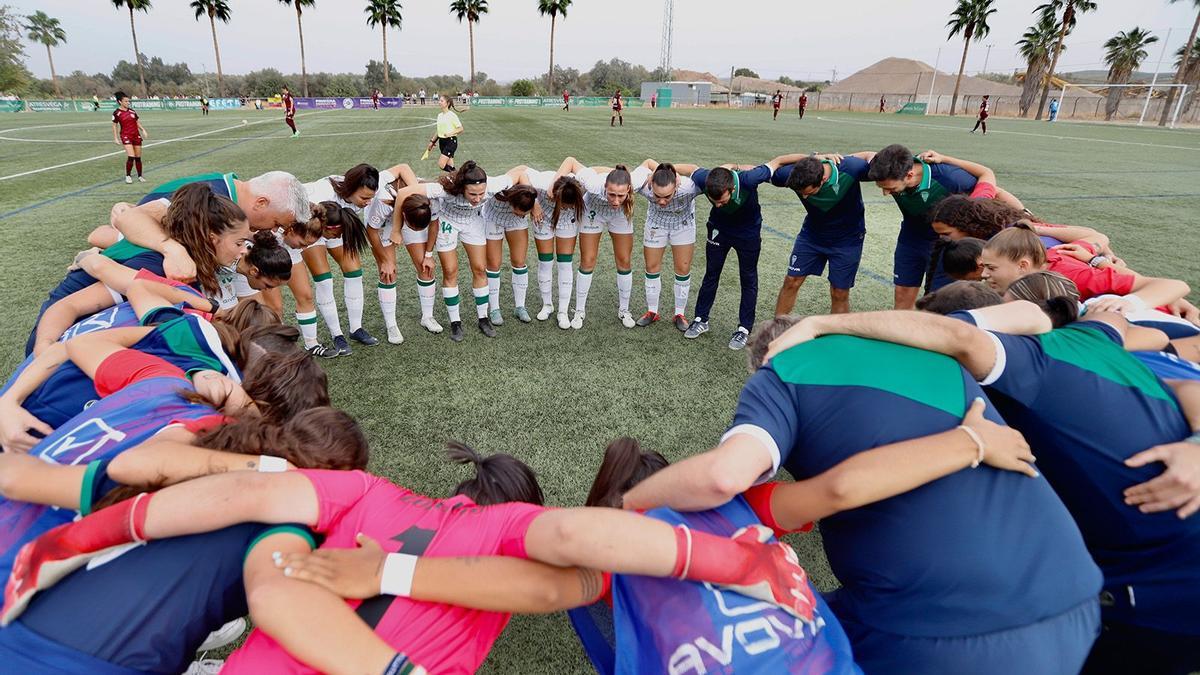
{"x":498,"y":478}
{"x":469,"y":173}
{"x":195,"y":213}
{"x":354,"y":233}
{"x":568,"y":193}
{"x":285,"y":384}
{"x":417,"y":212}
{"x":664,"y":175}
{"x":625,"y":465}
{"x":521,"y":197}
{"x":269,"y":257}
{"x":359,"y":176}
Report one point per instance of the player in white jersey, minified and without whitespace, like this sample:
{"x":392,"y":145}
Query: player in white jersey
{"x":670,"y":219}
{"x":265,"y":266}
{"x":506,"y":217}
{"x":462,"y":195}
{"x":412,"y":223}
{"x":608,"y":205}
{"x":354,"y":190}
{"x":554,"y":233}
{"x":326,"y":218}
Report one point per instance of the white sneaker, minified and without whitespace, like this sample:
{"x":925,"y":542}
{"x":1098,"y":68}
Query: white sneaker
{"x":128,"y":180}
{"x":394,"y":335}
{"x":141,"y":180}
{"x":577,"y":320}
{"x":204,"y":667}
{"x":627,"y":319}
{"x":430,"y":324}
{"x":545,"y":312}
{"x":564,"y":322}
{"x":227,"y":634}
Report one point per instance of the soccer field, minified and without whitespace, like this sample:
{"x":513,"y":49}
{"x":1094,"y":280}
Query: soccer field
{"x":554,"y":398}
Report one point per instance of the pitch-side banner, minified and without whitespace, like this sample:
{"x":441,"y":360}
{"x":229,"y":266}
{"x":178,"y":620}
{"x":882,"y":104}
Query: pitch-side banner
{"x":347,"y":103}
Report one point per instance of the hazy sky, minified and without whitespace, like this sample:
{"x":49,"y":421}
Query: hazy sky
{"x":800,"y":38}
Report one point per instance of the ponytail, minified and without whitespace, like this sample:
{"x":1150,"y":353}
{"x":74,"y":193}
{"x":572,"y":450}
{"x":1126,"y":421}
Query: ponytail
{"x":625,"y":465}
{"x":620,"y":176}
{"x":269,"y":257}
{"x":1018,"y":242}
{"x":359,"y":176}
{"x":664,"y":175}
{"x":195,"y":213}
{"x":354,"y":233}
{"x":416,"y":211}
{"x":498,"y":478}
{"x":521,"y":197}
{"x":468,"y":173}
{"x":569,"y":192}
{"x":285,"y":384}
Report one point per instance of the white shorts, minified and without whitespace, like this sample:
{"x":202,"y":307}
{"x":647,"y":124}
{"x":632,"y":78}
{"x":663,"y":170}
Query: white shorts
{"x":296,"y":254}
{"x":495,"y":231}
{"x":449,"y":234}
{"x":335,"y":242}
{"x":615,"y":222}
{"x":566,"y":229}
{"x":411,"y":236}
{"x":659,"y":237}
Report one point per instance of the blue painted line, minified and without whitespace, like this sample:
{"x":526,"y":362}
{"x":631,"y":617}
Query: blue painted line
{"x":156,"y":167}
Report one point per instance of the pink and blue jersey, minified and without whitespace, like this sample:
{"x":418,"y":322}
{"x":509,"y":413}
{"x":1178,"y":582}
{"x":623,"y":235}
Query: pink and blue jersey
{"x":670,"y":626}
{"x":440,"y":638}
{"x":141,"y":397}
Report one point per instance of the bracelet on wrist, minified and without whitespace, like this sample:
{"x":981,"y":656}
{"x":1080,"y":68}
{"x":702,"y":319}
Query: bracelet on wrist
{"x":982,"y":449}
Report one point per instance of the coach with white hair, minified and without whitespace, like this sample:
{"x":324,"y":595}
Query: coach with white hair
{"x":274,"y":199}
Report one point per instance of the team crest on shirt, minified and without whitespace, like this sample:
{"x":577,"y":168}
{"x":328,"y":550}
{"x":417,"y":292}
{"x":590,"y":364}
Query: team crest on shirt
{"x":85,"y":440}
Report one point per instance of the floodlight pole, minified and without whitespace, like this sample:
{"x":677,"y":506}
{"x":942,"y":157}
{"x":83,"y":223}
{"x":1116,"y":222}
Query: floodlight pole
{"x":933,"y":79}
{"x":1154,"y":80}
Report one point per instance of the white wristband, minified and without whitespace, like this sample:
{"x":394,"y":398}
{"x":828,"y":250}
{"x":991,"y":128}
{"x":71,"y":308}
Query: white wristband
{"x":428,"y":254}
{"x":978,"y":445}
{"x":269,"y":464}
{"x":397,"y":576}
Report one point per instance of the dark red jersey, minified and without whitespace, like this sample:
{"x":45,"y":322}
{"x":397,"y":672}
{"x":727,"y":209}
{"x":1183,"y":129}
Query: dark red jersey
{"x":289,"y":104}
{"x":128,"y":119}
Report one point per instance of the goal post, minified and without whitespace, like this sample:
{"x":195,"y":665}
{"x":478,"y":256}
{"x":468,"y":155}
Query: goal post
{"x":1150,"y":88}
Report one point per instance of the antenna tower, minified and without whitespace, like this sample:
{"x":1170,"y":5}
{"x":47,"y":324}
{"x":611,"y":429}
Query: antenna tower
{"x":668,"y":33}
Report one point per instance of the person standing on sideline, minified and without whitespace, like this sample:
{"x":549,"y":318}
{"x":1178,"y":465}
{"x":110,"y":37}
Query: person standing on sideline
{"x":95,"y":103}
{"x":882,"y":102}
{"x":421,"y":94}
{"x":803,"y":103}
{"x":981,"y":121}
{"x":289,"y":110}
{"x":654,"y":100}
{"x":735,"y":222}
{"x":1053,"y":110}
{"x":128,"y":132}
{"x":566,"y":100}
{"x":448,"y":129}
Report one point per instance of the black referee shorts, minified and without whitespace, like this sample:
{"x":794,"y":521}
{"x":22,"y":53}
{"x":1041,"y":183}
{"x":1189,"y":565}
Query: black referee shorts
{"x":448,"y":146}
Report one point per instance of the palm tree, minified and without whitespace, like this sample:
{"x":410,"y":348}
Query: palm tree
{"x":1071,"y":9}
{"x":1185,"y":59}
{"x":300,"y":5}
{"x":555,"y":9}
{"x":384,"y":13}
{"x":470,"y":10}
{"x":141,"y":6}
{"x":969,"y":18}
{"x":1191,"y":76}
{"x":1124,"y":52}
{"x":45,"y":29}
{"x":1035,"y":46}
{"x":215,"y":9}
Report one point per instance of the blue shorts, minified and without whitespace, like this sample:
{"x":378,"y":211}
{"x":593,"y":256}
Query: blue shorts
{"x":1054,"y":645}
{"x":809,"y":258}
{"x":911,"y":260}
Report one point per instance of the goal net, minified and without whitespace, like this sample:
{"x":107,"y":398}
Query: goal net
{"x":1119,"y":102}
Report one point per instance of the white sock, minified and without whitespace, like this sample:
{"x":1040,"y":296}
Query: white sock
{"x":481,"y":301}
{"x":545,"y":272}
{"x":624,"y":289}
{"x":520,"y":285}
{"x":450,"y":295}
{"x":493,"y":289}
{"x":308,"y":327}
{"x":323,"y":290}
{"x":583,"y":284}
{"x":352,"y":289}
{"x":683,"y":286}
{"x":425,"y":295}
{"x":566,"y":281}
{"x":653,"y":288}
{"x":387,"y":303}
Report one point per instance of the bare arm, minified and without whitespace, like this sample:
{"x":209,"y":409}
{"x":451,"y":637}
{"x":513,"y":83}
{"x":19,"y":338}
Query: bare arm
{"x":689,"y":169}
{"x":1178,"y":486}
{"x":405,"y":173}
{"x":517,"y":173}
{"x":784,"y":160}
{"x":866,"y":155}
{"x":312,"y":624}
{"x":89,"y":351}
{"x":143,"y":294}
{"x":1072,"y":233}
{"x":167,"y":460}
{"x":143,"y":226}
{"x":63,"y":314}
{"x":1155,"y":291}
{"x":979,"y":171}
{"x":25,"y":478}
{"x":706,"y":480}
{"x":214,"y":502}
{"x":569,"y":165}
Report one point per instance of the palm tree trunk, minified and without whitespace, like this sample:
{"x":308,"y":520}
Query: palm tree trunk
{"x":1033,"y":82}
{"x":471,"y":34}
{"x":303,"y":70}
{"x":137,"y":56}
{"x":1062,"y":35}
{"x":1113,"y":100}
{"x":1183,"y":66}
{"x":387,"y":79}
{"x":550,"y":76}
{"x":53,"y":74}
{"x":962,"y":65}
{"x":217,"y":50}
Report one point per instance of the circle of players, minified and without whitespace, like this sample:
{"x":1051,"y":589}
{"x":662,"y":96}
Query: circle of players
{"x":163,"y":399}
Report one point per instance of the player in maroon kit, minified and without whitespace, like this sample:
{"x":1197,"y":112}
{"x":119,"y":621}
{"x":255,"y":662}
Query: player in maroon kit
{"x":566,"y":100}
{"x":882,"y":102}
{"x":776,"y":102}
{"x":617,"y":106}
{"x":981,"y":121}
{"x":375,"y":98}
{"x":289,"y":110}
{"x":803,"y":103}
{"x":128,"y":132}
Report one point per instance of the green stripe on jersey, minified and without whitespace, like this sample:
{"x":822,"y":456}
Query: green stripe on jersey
{"x":184,"y":340}
{"x":124,"y":250}
{"x":171,"y":186}
{"x":1087,"y":348}
{"x":297,"y":530}
{"x":846,"y":361}
{"x":88,"y":487}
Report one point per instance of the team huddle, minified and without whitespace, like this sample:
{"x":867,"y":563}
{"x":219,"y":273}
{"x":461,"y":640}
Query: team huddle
{"x":1006,"y":480}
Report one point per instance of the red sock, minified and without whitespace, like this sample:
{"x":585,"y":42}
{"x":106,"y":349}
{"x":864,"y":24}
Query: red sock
{"x":137,"y":161}
{"x":128,"y":165}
